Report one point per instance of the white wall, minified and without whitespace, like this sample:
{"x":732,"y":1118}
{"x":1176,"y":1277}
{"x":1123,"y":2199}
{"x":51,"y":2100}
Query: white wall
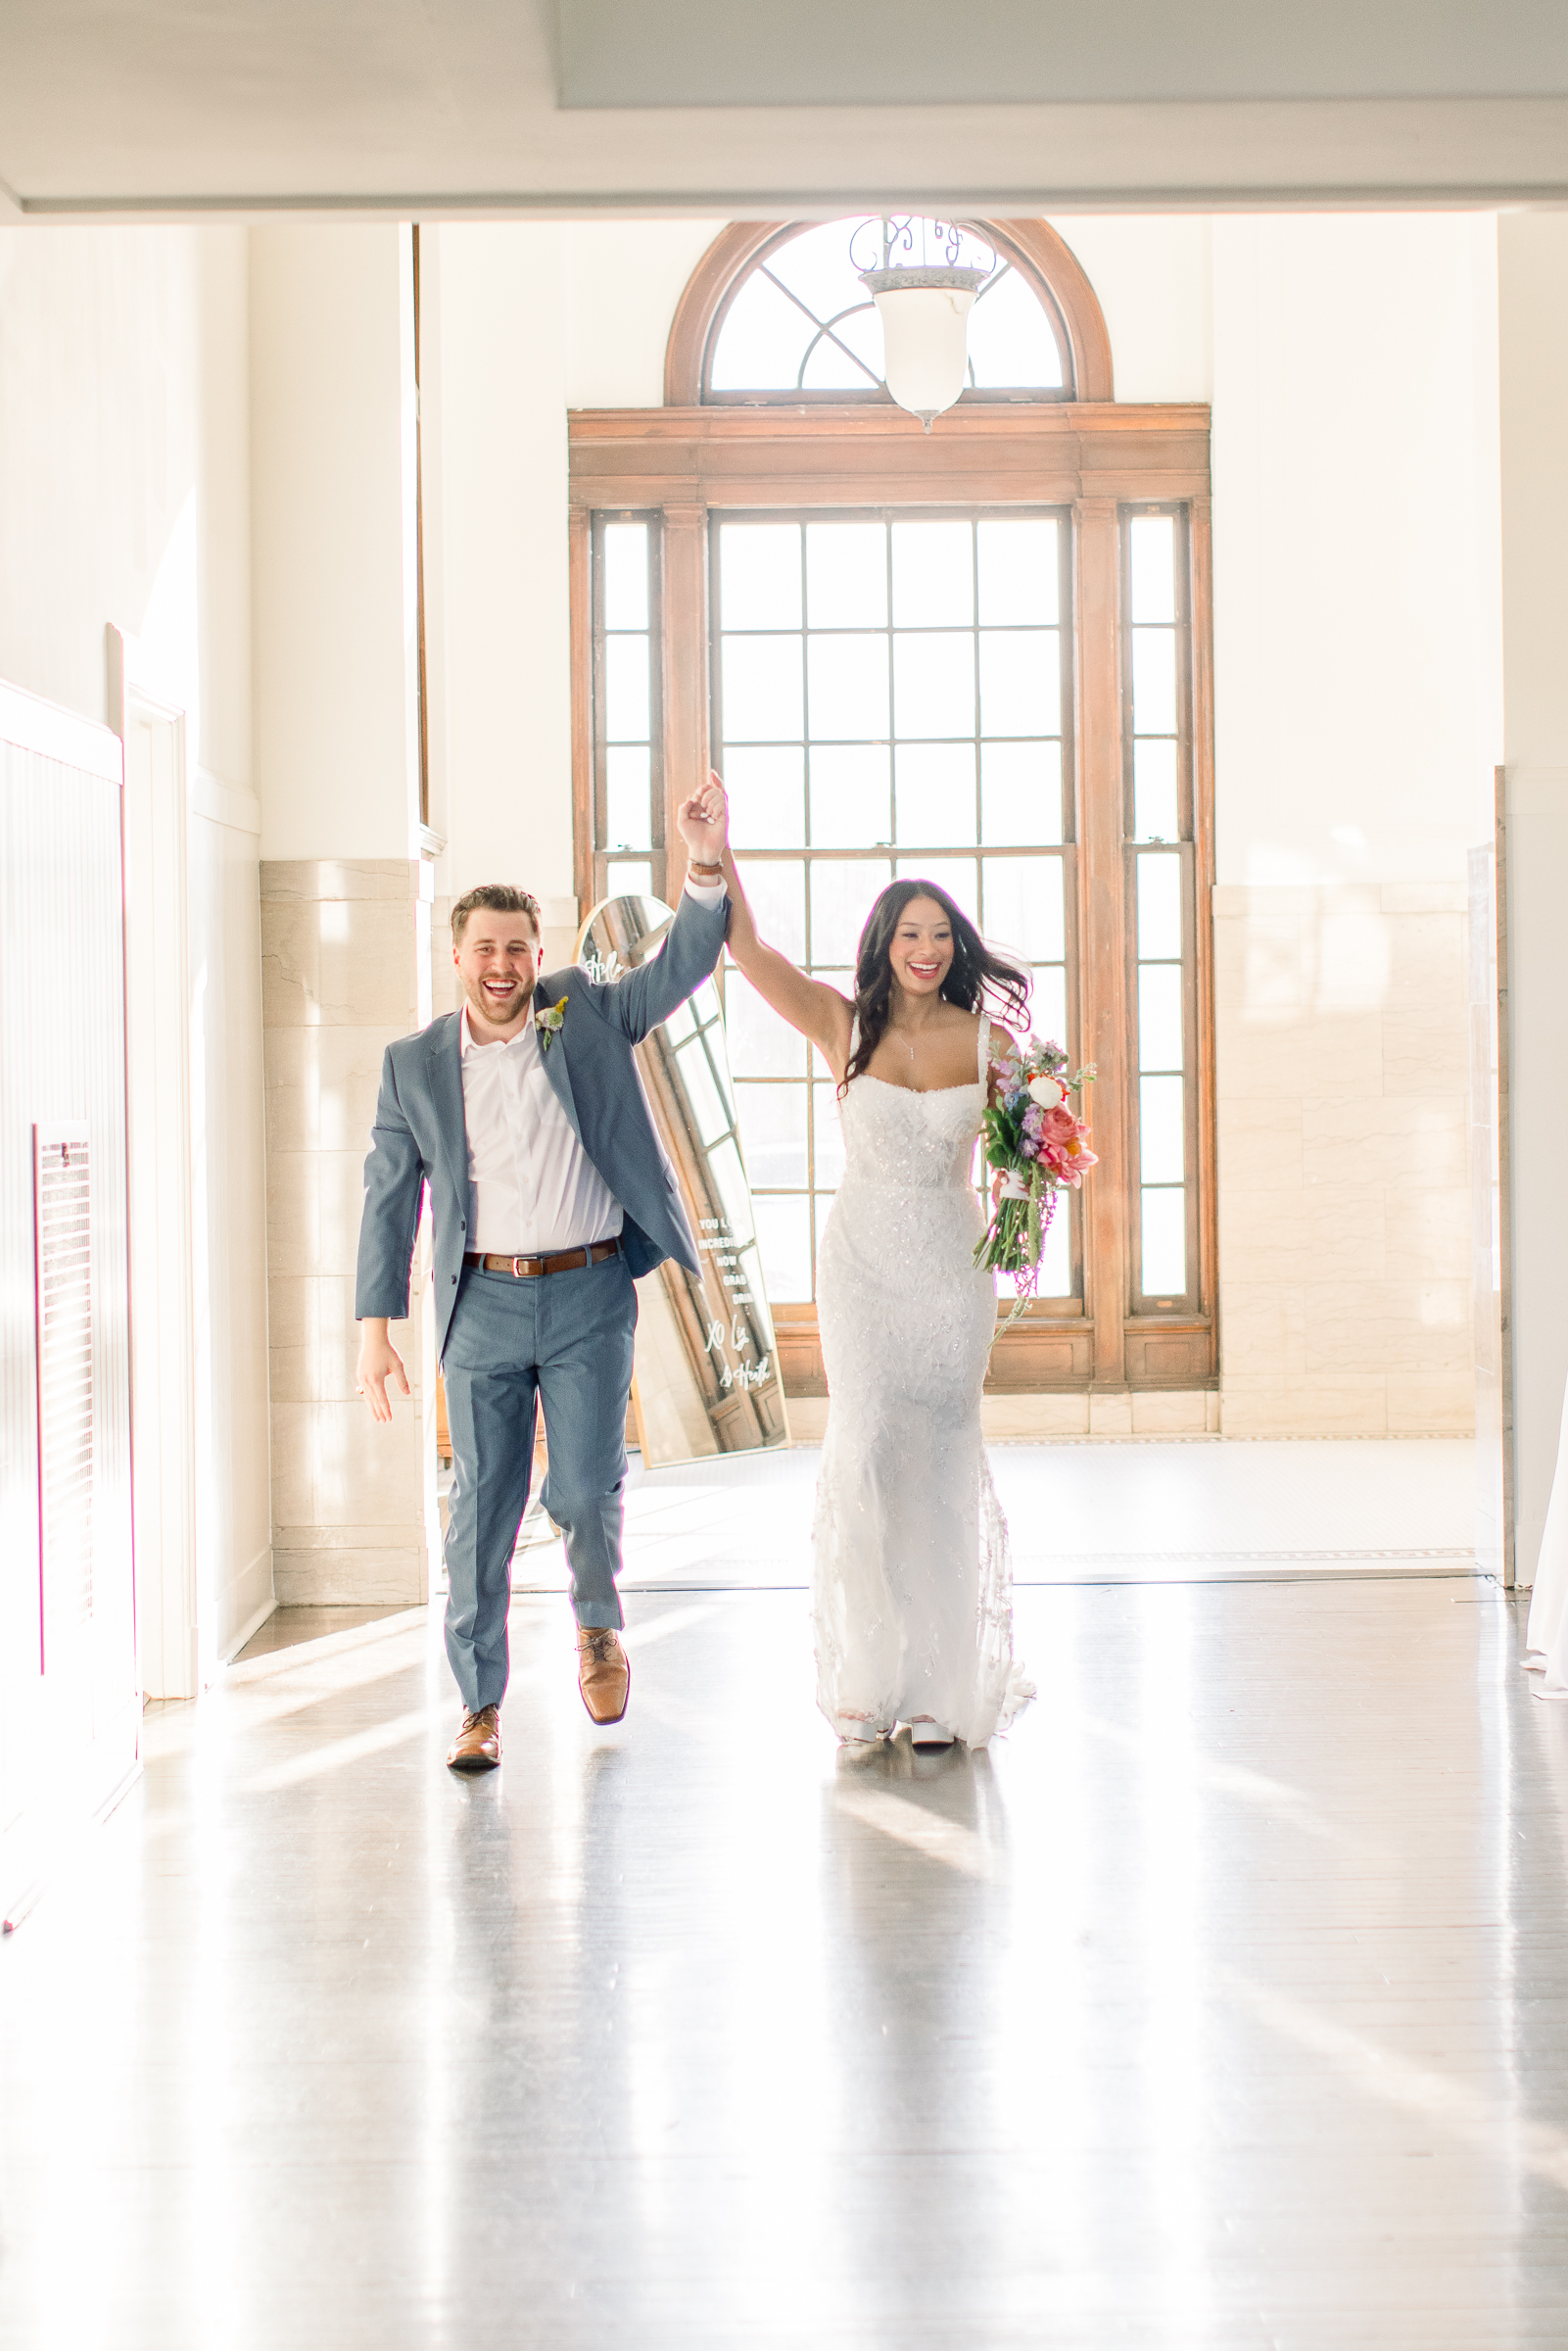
{"x":334,"y":760}
{"x":501,"y":413}
{"x":123,"y":490}
{"x":1152,"y":278}
{"x":1356,"y":600}
{"x":125,"y":498}
{"x":1533,"y":255}
{"x":623,"y":281}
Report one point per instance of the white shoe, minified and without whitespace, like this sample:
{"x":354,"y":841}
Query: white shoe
{"x":857,"y":1730}
{"x":923,"y":1732}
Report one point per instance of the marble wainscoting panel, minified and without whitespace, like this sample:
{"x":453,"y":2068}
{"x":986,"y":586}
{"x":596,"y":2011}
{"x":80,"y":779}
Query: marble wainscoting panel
{"x":1038,"y":1420}
{"x":1343,"y":1203}
{"x":341,"y":945}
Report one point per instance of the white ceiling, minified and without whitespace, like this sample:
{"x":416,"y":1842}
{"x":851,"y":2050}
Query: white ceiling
{"x":172,"y":108}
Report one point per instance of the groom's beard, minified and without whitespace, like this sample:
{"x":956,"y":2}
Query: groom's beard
{"x":498,"y":1009}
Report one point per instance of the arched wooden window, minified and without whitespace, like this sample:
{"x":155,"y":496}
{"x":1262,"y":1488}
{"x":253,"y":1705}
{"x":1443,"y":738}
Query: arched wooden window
{"x":980,"y":655}
{"x":775,"y":275}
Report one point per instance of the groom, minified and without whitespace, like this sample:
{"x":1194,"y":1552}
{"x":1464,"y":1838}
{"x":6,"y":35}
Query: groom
{"x":525,"y":1116}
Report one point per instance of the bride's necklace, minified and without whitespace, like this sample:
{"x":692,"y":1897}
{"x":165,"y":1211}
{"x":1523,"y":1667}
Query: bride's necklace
{"x":908,"y":1039}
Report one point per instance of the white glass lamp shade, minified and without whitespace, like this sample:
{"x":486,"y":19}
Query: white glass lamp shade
{"x":925,"y":334}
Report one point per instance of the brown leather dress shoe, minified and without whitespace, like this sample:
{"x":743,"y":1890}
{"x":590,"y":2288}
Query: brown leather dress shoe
{"x":477,"y":1745}
{"x":604,"y":1672}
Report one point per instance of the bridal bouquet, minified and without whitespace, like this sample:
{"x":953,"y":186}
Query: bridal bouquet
{"x":1037,"y":1144}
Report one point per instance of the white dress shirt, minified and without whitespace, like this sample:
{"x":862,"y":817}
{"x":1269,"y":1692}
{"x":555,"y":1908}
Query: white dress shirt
{"x":532,"y":1187}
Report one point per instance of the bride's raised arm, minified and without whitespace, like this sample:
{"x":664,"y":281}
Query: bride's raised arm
{"x":819,"y":1012}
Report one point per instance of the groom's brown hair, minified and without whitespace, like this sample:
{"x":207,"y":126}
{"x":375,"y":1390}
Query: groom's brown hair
{"x":497,"y":898}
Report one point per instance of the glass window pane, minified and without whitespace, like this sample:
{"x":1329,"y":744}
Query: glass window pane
{"x":850,"y":359}
{"x":1160,"y":1038}
{"x":626,"y":690}
{"x":1024,"y":908}
{"x":772,"y":1133}
{"x":776,"y":889}
{"x":847,"y":679}
{"x":1156,"y":799}
{"x":761,"y":1043}
{"x":837,"y":975}
{"x":628,"y":797}
{"x":934,"y":791}
{"x":1019,"y":572}
{"x":730,"y":1179}
{"x":626,"y":575}
{"x":762,"y":340}
{"x":1048,"y":1007}
{"x":1164,"y":1244}
{"x":933,"y":576}
{"x":1154,"y":681}
{"x":784,"y":1236}
{"x":934,"y":683}
{"x":626,"y":878}
{"x":1020,"y":681}
{"x":1154,"y":567}
{"x":767,"y":789}
{"x":827,"y":1137}
{"x":1056,"y":1257}
{"x":861,"y":331}
{"x":851,"y":795}
{"x":846,"y":575}
{"x":818,"y":269}
{"x":708,"y":1106}
{"x":1161,"y":1134}
{"x":1021,"y":794}
{"x":841,"y":895}
{"x":762,"y":690}
{"x":1011,"y":344}
{"x":759,"y":575}
{"x":703,"y":1001}
{"x":1158,"y":906}
{"x":955,"y":874}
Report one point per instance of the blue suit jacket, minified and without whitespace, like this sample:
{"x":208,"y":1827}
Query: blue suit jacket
{"x":419,"y":1135}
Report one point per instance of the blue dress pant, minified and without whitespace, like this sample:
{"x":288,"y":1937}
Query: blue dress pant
{"x":564,"y":1339}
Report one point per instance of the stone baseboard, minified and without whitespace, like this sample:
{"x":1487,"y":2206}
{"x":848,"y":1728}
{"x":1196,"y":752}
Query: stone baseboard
{"x":311,"y":1576}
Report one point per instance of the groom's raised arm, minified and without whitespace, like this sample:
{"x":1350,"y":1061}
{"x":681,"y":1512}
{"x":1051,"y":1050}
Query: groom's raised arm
{"x":640,"y":999}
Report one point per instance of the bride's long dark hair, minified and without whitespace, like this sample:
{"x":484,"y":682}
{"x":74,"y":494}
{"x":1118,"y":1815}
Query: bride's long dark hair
{"x":978,"y":974}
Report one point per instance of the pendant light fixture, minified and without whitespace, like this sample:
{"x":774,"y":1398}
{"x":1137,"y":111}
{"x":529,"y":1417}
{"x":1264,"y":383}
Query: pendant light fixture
{"x":923,"y":302}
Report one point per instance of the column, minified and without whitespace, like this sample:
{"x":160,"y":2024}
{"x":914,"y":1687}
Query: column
{"x":1532,"y":339}
{"x":345,"y":890}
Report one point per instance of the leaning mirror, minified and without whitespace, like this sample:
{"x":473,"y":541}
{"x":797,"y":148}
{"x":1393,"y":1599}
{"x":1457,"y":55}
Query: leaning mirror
{"x":706,"y":1378}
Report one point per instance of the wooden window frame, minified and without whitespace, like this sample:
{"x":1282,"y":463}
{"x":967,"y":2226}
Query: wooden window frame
{"x":599,"y":817}
{"x":1096,"y":457}
{"x":1061,"y":853}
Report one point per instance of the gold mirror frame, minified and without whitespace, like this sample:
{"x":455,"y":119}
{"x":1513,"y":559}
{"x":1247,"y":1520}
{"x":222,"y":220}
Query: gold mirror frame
{"x":706,"y":1378}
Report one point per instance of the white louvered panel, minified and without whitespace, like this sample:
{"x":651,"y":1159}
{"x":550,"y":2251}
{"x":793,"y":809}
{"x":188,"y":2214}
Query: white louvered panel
{"x":62,"y":1223}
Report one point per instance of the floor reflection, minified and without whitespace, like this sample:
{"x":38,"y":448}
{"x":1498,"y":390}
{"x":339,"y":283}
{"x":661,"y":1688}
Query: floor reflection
{"x":1224,"y":2002}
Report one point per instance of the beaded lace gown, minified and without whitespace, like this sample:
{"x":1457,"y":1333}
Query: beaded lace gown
{"x":912,"y":1582}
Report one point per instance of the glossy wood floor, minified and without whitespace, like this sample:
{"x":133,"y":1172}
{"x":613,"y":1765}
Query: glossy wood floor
{"x":1225,"y":2003}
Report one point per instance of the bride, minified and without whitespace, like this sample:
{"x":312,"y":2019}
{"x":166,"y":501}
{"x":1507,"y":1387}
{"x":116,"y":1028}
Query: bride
{"x":912,"y":1588}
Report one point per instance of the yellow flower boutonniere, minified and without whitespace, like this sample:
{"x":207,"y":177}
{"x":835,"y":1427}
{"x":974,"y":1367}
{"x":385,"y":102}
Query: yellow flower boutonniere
{"x":548,"y":1021}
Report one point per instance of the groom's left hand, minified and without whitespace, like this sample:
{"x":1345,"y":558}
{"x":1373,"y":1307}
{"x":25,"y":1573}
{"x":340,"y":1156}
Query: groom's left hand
{"x":702,"y":822}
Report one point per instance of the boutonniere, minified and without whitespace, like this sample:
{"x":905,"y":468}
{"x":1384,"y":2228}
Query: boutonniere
{"x":548,"y":1021}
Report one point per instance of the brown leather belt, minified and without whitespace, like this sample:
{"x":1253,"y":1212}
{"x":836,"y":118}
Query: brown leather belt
{"x":527,"y":1268}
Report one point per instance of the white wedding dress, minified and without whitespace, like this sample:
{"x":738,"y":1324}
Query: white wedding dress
{"x":911,"y":1584}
